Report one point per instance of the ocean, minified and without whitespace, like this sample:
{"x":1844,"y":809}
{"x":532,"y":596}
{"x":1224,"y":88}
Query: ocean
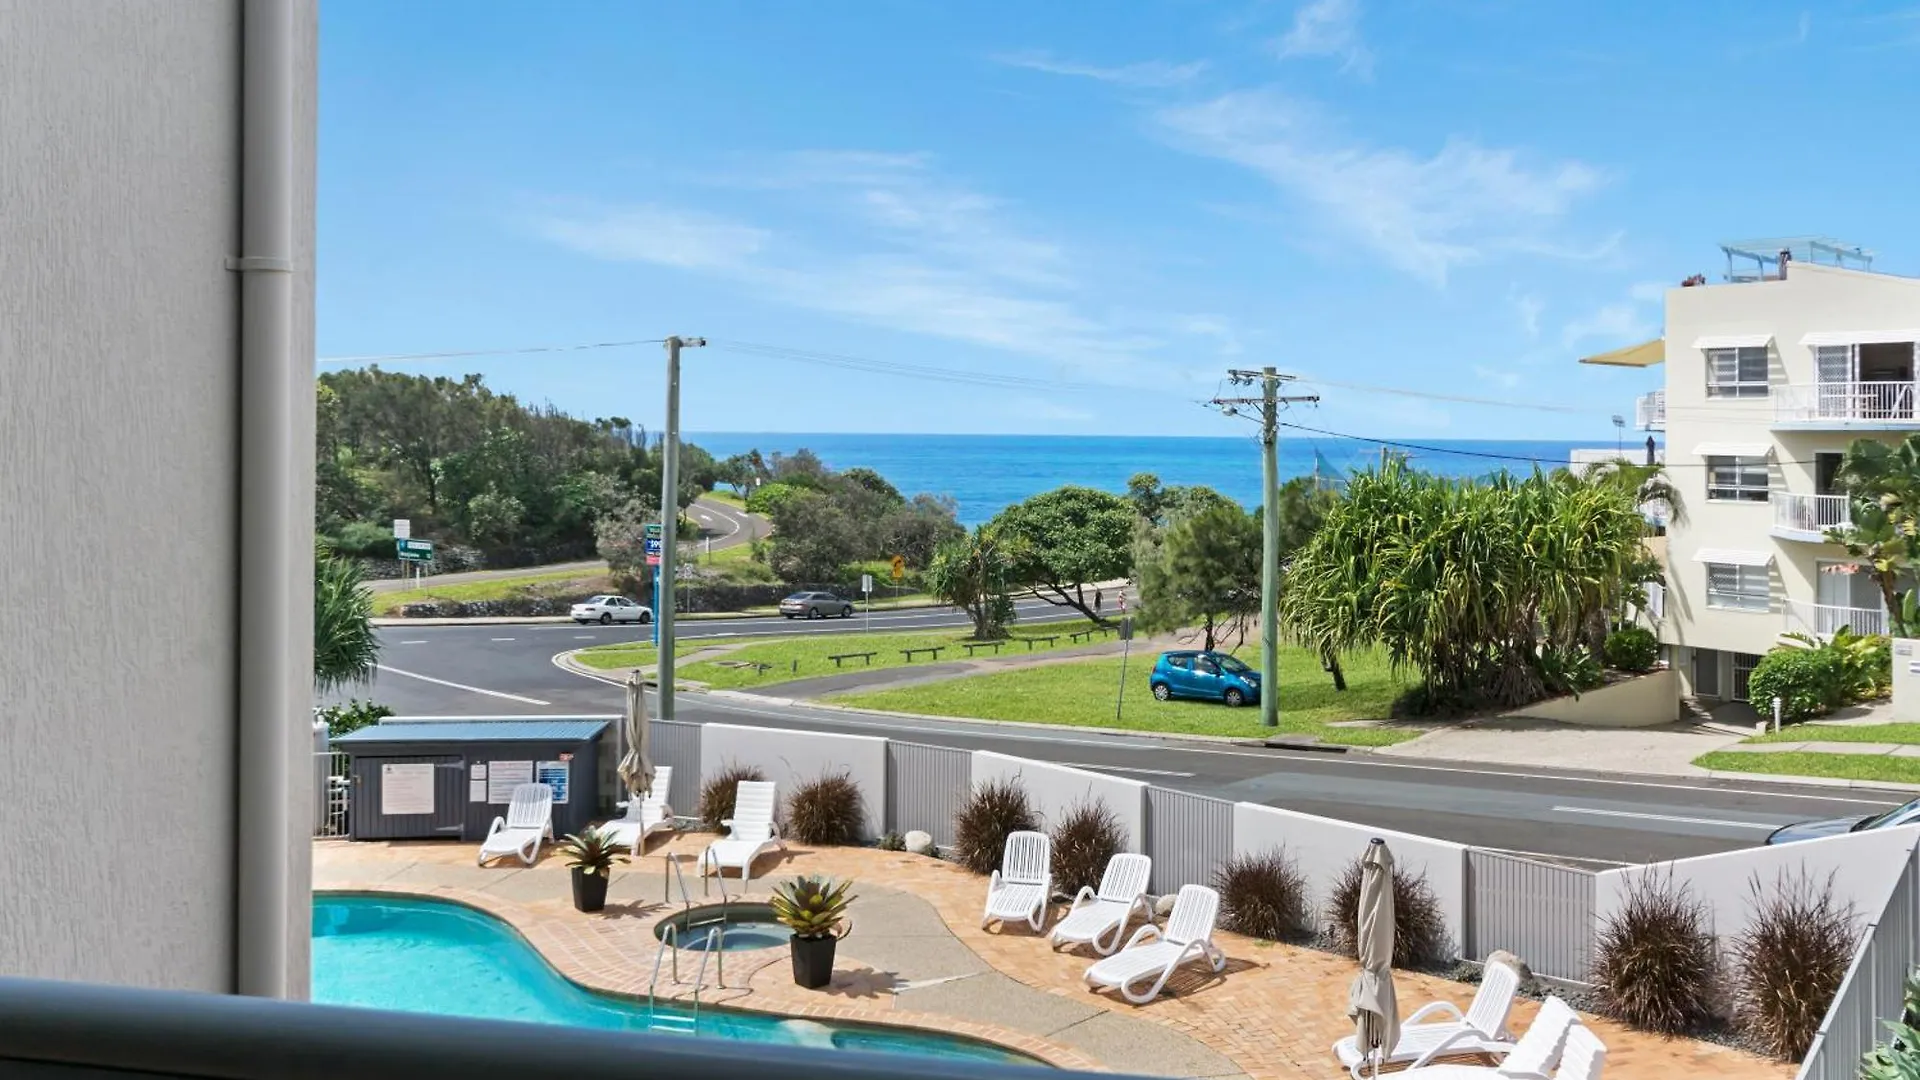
{"x":986,"y":473}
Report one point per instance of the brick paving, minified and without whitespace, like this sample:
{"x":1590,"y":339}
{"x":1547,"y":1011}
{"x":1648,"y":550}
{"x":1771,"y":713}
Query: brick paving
{"x":1275,"y":1011}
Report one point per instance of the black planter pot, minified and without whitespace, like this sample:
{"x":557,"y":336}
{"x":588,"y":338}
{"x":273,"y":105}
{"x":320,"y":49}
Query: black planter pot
{"x":589,"y":890}
{"x":813,"y":961}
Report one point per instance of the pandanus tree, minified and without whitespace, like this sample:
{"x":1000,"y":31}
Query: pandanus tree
{"x":345,"y":647}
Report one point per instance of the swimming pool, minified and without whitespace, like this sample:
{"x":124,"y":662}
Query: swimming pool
{"x":742,"y":926}
{"x":417,"y":955}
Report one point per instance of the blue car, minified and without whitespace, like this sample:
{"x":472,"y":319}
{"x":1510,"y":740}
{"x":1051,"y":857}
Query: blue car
{"x":1209,"y":676}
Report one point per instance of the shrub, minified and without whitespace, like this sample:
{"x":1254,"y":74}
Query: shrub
{"x":1790,"y":962}
{"x":1808,"y":682}
{"x":1570,"y":671}
{"x":352,"y":716}
{"x":717,"y":794}
{"x":1085,"y":839}
{"x":363,"y":540}
{"x":1419,"y":923}
{"x":1263,"y":896}
{"x":1632,"y":648}
{"x":827,"y":811}
{"x":993,"y":810}
{"x":1653,"y":964}
{"x":1899,"y":1057}
{"x":893,"y":841}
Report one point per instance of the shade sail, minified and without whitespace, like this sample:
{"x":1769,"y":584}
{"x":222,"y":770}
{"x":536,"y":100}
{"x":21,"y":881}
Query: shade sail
{"x":1645,"y":354}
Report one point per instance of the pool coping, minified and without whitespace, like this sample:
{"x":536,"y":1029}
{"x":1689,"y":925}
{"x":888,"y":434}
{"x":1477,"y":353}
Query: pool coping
{"x":615,"y":975}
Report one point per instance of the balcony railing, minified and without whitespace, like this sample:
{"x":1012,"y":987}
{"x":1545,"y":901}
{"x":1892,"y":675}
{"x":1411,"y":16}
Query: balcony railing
{"x":1845,"y":402}
{"x":1824,"y":620}
{"x":1808,"y":517}
{"x":1650,"y":411}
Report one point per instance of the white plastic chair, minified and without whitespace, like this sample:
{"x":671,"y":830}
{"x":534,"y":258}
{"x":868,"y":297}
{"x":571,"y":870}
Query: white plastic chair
{"x":1019,"y":890}
{"x":1554,"y":1037}
{"x":529,"y":820}
{"x":645,"y":816}
{"x":1098,"y":918}
{"x":1482,"y":1029}
{"x":751,"y":831}
{"x":1152,"y":953}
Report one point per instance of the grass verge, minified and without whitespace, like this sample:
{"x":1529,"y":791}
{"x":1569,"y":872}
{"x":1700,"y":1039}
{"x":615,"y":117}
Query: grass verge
{"x":1867,"y":767}
{"x":1082,"y":694}
{"x":728,"y":497}
{"x":1873,"y":733}
{"x":623,"y":655}
{"x":551,"y":583}
{"x":806,"y":656}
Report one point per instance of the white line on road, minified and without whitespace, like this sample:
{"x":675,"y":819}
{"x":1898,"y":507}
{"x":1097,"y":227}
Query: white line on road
{"x":1663,"y":817}
{"x":1121,"y":768}
{"x":503,"y":639}
{"x":416,"y":641}
{"x":585,"y":637}
{"x":461,"y":686}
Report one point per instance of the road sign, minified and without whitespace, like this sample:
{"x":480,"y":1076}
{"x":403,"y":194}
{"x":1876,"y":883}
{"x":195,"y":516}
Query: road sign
{"x":402,"y":528}
{"x":653,"y":551}
{"x":414,"y":550}
{"x":899,"y":567}
{"x":653,"y":530}
{"x":866,"y":583}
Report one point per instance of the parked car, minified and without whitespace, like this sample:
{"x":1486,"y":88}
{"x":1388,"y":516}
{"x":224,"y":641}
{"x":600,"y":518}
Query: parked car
{"x":1907,"y":814}
{"x":1210,"y":676}
{"x":611,"y":609}
{"x":815,"y":605}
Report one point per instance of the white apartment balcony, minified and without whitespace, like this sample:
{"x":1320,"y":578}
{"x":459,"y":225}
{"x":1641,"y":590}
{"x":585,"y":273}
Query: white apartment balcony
{"x":1824,"y":620}
{"x":1808,"y":517}
{"x":1864,"y":405}
{"x":1650,"y":411}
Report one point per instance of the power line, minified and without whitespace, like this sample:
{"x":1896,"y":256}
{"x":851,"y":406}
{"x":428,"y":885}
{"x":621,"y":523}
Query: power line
{"x":1628,"y":455}
{"x":392,"y":357}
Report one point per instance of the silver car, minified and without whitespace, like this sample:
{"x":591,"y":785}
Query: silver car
{"x":610,"y":609}
{"x":815,"y":605}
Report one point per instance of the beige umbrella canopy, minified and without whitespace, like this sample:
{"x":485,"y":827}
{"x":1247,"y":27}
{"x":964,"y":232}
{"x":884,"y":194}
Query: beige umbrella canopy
{"x":636,"y":766}
{"x":1370,"y":1000}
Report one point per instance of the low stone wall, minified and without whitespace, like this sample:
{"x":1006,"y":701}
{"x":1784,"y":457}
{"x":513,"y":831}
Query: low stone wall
{"x":1641,"y":701}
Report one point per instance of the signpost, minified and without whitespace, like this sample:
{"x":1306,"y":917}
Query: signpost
{"x":1126,"y":647}
{"x":414,"y":551}
{"x":402,"y":529}
{"x":866,"y":590}
{"x":653,"y":559}
{"x":899,"y":574}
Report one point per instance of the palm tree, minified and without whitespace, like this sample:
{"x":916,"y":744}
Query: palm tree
{"x":1883,"y":532}
{"x":345,"y":647}
{"x":1648,"y":484}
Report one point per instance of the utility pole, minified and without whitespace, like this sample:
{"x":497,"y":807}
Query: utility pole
{"x":1269,"y":403}
{"x":669,"y":522}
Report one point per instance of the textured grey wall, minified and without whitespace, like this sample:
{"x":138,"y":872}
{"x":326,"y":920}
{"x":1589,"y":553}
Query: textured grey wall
{"x":119,"y":198}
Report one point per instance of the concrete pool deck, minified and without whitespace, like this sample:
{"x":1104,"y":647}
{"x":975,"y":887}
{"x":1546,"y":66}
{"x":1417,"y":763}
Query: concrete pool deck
{"x":918,"y":957}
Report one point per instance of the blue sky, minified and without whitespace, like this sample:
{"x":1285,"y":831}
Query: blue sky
{"x":1090,"y":210}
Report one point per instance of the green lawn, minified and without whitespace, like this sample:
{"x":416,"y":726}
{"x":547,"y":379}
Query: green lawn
{"x":1875,"y":733}
{"x":1082,"y":694}
{"x":623,"y":655}
{"x":1870,"y":767}
{"x":805,"y":656}
{"x":549,"y":583}
{"x":721,"y":496}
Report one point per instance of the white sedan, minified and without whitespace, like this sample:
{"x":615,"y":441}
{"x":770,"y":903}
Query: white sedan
{"x":611,"y":609}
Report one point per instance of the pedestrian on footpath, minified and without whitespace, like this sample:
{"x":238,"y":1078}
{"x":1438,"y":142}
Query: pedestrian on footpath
{"x":1099,"y":595}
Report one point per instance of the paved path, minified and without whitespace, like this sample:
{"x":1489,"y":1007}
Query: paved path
{"x":1666,"y":750}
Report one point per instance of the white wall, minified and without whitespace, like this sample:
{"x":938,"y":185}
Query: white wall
{"x":791,"y":758}
{"x":1642,"y":701}
{"x":1864,"y":866}
{"x":1322,"y":848}
{"x":1055,"y":789}
{"x":119,"y":486}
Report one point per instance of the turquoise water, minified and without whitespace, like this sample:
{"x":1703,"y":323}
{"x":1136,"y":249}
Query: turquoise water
{"x":428,"y":956}
{"x":985,"y":473}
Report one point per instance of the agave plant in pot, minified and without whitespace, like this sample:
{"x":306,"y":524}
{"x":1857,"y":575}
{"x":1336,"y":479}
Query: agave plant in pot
{"x":815,"y":909}
{"x":591,"y":854}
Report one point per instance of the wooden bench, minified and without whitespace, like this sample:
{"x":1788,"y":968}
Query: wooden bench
{"x":866,"y":656}
{"x":1049,"y":639}
{"x":934,"y":649}
{"x":970,"y":646}
{"x":1087,"y":634}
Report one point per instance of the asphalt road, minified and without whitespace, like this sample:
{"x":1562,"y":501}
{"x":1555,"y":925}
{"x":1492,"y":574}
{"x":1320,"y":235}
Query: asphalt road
{"x":509,"y":670}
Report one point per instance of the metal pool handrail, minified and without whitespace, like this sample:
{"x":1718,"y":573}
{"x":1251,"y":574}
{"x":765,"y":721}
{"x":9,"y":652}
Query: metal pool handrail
{"x":713,"y":949}
{"x":669,"y":945}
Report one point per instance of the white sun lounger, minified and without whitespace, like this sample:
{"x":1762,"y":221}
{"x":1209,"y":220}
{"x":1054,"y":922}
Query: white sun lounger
{"x":645,"y":816}
{"x":529,"y":820}
{"x":1554,"y":1037}
{"x":1188,"y":936}
{"x":1019,"y":890}
{"x":1481,"y":1029}
{"x":1098,"y":918}
{"x":751,"y":831}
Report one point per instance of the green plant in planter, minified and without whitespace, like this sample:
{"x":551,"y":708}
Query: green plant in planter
{"x":591,"y":856}
{"x":815,"y":909}
{"x":1899,"y":1057}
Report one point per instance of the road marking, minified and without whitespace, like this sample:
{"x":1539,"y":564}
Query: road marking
{"x":1662,"y":817}
{"x":585,"y":637}
{"x":416,"y":641}
{"x":503,"y":639}
{"x":461,"y":686}
{"x":1121,"y":768}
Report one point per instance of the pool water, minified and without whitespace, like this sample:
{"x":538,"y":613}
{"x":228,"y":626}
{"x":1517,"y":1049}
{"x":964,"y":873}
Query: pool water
{"x":414,"y":955}
{"x":742,"y":926}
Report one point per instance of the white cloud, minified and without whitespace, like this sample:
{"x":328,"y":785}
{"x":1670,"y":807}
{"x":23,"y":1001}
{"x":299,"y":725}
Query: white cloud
{"x":1328,"y":28}
{"x":1506,"y":380}
{"x":657,"y":234}
{"x":1146,"y":73}
{"x":1528,"y":307}
{"x":1649,"y":292}
{"x":1214,"y":327}
{"x":1612,"y":323}
{"x":1425,"y":214}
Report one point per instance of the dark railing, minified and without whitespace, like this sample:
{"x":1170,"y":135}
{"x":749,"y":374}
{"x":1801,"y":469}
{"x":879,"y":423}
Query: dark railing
{"x":83,"y":1031}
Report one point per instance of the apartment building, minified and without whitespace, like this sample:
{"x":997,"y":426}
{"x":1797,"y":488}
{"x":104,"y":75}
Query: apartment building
{"x":1770,"y":375}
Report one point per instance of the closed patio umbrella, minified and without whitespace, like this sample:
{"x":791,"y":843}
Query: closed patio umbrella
{"x":636,"y":766}
{"x":1370,"y":1000}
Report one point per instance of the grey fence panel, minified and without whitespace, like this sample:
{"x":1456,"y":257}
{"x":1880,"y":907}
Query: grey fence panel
{"x":1188,"y":836}
{"x":926,"y":787}
{"x":1538,"y":910}
{"x":1873,"y":991}
{"x":332,"y":784}
{"x":672,"y":742}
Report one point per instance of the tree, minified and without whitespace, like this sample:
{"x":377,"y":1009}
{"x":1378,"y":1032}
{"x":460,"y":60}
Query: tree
{"x":814,"y":537}
{"x":917,"y":529}
{"x":1304,"y":505}
{"x":975,"y":573}
{"x":620,"y":538}
{"x":1161,"y":505}
{"x":874,"y":483}
{"x":1207,"y":572}
{"x":1067,"y":539}
{"x":345,"y":647}
{"x":1883,"y":534}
